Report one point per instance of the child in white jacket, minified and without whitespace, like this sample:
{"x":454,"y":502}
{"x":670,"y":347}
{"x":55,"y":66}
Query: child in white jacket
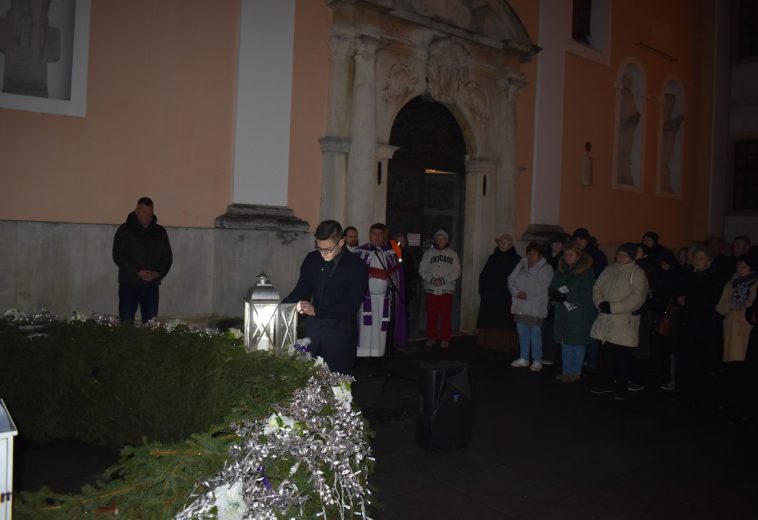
{"x":439,"y":269}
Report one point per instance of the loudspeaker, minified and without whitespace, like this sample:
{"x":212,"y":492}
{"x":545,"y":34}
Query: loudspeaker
{"x":446,"y":406}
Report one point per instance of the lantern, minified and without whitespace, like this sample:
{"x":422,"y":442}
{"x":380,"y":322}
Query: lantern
{"x":269,"y":324}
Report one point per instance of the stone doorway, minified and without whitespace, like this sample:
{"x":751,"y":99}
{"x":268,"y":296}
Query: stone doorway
{"x":426,"y":187}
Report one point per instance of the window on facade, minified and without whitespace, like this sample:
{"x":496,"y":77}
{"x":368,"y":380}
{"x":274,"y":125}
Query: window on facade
{"x":581,"y":22}
{"x":747,"y":38}
{"x":746,"y":174}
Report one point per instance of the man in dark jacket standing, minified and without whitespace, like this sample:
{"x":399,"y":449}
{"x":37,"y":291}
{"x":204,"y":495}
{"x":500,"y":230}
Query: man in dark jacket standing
{"x":143,"y":255}
{"x":329,"y":292}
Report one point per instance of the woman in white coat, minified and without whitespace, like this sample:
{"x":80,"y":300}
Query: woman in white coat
{"x":528,"y":284}
{"x":620,"y":290}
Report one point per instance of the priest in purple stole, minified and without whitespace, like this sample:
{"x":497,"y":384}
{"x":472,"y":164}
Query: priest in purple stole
{"x":384,"y":300}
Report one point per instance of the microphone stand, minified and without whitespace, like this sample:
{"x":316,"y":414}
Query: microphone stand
{"x":394,"y":295}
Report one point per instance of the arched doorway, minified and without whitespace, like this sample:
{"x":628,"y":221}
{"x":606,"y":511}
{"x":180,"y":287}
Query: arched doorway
{"x":426,"y":185}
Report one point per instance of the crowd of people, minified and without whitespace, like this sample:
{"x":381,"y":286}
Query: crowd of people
{"x":683,"y":322}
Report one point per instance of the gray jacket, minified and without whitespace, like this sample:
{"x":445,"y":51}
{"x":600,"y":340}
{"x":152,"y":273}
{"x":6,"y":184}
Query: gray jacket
{"x":534,"y":281}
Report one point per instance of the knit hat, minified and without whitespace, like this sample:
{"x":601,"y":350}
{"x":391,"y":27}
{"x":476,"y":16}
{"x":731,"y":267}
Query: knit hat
{"x":581,"y":233}
{"x":666,"y":255}
{"x":630,"y":248}
{"x":443,"y":233}
{"x":652,"y":235}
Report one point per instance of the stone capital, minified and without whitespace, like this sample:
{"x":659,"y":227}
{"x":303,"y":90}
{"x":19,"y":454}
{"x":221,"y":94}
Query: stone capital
{"x":341,"y":45}
{"x":481,"y":166}
{"x":385,"y":151}
{"x":368,"y":45}
{"x":335,"y":144}
{"x":511,"y":83}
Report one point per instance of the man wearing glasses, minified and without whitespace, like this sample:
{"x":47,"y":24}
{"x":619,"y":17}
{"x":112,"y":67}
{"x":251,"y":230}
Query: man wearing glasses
{"x":329,"y":291}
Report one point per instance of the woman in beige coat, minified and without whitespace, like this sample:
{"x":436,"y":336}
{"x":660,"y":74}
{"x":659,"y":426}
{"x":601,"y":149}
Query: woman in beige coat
{"x":738,"y":294}
{"x":620,"y":290}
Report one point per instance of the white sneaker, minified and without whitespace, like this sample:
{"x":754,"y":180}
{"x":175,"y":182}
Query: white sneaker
{"x":536,"y":366}
{"x":520,"y":362}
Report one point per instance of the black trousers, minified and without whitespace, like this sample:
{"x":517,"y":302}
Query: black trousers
{"x":132,"y":295}
{"x":617,"y":367}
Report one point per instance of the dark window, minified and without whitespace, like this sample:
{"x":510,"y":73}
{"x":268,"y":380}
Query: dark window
{"x":581,"y":21}
{"x":746,"y":174}
{"x":747,"y":36}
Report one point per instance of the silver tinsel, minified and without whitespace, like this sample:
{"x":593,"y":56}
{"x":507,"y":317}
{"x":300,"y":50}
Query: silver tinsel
{"x":42,"y":317}
{"x":331,"y":448}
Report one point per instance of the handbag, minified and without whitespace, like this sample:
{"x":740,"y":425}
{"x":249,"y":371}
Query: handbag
{"x":665,"y":323}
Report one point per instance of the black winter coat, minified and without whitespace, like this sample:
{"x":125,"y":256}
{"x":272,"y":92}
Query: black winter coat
{"x":136,"y":248}
{"x":336,"y":290}
{"x":495,"y":305}
{"x":698,"y":322}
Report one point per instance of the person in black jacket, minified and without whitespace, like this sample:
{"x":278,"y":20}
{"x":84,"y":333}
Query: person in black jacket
{"x":329,"y":292}
{"x":142,"y":252}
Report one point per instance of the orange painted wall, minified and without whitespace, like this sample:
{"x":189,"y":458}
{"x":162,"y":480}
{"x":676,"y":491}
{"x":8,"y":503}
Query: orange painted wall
{"x":310,"y":88}
{"x":613,"y":215}
{"x":160,"y":122}
{"x":528,"y":12}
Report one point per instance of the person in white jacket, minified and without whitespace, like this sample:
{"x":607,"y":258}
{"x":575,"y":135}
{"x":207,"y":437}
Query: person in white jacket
{"x":529,"y":283}
{"x":439,"y":269}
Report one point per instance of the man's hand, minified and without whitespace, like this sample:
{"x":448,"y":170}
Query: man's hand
{"x":147,"y":275}
{"x":306,"y":308}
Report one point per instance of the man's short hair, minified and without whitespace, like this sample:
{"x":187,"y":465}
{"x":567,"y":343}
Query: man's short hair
{"x":744,"y":238}
{"x":145,"y":201}
{"x":706,"y":250}
{"x":378,"y":225}
{"x":329,"y":229}
{"x":349,"y":228}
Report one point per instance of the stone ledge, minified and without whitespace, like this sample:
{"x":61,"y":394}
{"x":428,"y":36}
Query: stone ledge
{"x":252,"y":216}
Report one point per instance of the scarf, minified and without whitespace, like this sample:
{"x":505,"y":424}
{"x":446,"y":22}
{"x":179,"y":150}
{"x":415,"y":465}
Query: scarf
{"x":741,"y":288}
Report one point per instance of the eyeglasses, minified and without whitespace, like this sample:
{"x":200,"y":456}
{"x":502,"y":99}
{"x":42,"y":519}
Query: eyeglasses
{"x":325,"y":251}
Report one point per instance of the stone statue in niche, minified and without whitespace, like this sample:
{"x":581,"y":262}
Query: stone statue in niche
{"x":671,"y":125}
{"x":401,"y":80}
{"x":28,"y":44}
{"x":629,"y":120}
{"x":446,"y":69}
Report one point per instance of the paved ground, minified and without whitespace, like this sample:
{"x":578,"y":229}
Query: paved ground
{"x":540,"y":450}
{"x":545,"y":450}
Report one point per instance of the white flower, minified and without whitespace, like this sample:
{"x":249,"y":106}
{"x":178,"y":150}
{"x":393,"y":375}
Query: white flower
{"x":234,"y":333}
{"x":77,"y":316}
{"x":342,"y":394}
{"x":229,"y":502}
{"x":171,"y":325}
{"x":294,"y":468}
{"x":319,"y":362}
{"x":13,"y":315}
{"x":278,"y":422}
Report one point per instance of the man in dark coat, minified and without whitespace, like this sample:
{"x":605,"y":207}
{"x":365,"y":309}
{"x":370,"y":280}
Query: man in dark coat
{"x":587,"y":242}
{"x":142,"y":252}
{"x":329,"y":292}
{"x":495,"y":305}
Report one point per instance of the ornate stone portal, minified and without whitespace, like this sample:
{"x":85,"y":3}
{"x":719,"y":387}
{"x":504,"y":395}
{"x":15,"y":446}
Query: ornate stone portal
{"x":464,"y":54}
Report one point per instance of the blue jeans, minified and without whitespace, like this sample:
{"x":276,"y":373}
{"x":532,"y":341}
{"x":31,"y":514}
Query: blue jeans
{"x":132,"y":295}
{"x":530,"y":334}
{"x":573,"y":356}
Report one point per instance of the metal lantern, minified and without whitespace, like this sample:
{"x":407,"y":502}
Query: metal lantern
{"x":269,"y":324}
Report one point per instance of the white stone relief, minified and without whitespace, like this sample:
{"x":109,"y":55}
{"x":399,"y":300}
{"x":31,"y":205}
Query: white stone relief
{"x":446,"y":69}
{"x":401,"y":81}
{"x":477,"y":102}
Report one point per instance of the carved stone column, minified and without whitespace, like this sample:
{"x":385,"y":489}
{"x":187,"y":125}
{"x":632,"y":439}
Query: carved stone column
{"x":361,"y":162}
{"x":384,"y":153}
{"x":335,"y":145}
{"x":478,"y":230}
{"x":510,"y":85}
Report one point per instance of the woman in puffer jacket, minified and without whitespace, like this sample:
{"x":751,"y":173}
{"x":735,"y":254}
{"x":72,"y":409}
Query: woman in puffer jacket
{"x":620,"y":290}
{"x":528,"y":284}
{"x":571,"y":292}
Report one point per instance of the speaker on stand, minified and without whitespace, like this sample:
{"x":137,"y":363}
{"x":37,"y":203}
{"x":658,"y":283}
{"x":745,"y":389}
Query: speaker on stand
{"x":446,"y":406}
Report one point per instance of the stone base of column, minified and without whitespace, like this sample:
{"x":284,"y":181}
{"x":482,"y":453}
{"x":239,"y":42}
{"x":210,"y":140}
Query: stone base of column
{"x":253,"y":216}
{"x":542,"y":232}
